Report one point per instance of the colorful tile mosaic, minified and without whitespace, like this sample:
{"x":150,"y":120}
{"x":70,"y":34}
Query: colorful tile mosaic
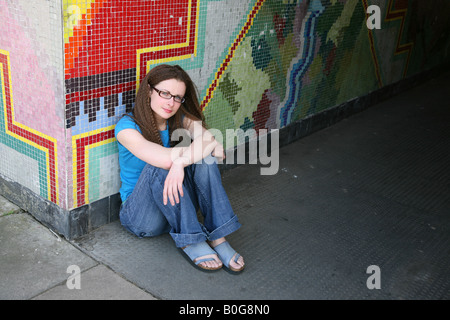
{"x":31,"y":87}
{"x":258,"y":64}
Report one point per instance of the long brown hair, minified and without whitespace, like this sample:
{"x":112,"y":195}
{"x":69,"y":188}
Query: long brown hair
{"x":142,"y":112}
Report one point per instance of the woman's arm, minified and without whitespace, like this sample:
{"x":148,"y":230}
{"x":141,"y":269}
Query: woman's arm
{"x":172,"y":159}
{"x":147,"y":151}
{"x":203,"y":143}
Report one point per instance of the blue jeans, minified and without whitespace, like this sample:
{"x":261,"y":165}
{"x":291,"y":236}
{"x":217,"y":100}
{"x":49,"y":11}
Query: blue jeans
{"x":145,"y":215}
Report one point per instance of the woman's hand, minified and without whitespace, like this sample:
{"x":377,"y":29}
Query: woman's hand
{"x":219,"y":153}
{"x":173,"y":185}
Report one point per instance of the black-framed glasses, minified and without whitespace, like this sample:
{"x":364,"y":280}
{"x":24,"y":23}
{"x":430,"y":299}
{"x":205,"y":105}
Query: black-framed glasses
{"x":168,"y":95}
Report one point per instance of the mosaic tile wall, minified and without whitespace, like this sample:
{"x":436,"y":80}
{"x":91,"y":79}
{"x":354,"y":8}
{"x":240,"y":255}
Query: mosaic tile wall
{"x":32,"y":131}
{"x":71,"y":68}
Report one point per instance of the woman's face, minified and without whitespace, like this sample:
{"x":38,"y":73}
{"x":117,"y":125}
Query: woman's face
{"x":165,"y":108}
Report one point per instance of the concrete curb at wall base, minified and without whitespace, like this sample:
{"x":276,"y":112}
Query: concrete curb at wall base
{"x":70,"y":224}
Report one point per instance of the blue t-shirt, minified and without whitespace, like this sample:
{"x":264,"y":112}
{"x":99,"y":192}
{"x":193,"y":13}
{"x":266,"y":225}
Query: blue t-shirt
{"x":130,"y":165}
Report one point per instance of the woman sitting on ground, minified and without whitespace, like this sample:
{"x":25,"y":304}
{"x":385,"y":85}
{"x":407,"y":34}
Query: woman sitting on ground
{"x":163,"y":184}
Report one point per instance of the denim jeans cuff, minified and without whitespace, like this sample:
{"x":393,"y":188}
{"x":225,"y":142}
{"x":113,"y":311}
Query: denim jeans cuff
{"x":224,"y":230}
{"x":182,"y":240}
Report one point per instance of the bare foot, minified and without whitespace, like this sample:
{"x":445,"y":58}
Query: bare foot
{"x":238,"y":265}
{"x":210,"y":264}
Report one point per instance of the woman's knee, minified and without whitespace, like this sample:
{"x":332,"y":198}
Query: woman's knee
{"x":151,"y":171}
{"x":207,"y":165}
